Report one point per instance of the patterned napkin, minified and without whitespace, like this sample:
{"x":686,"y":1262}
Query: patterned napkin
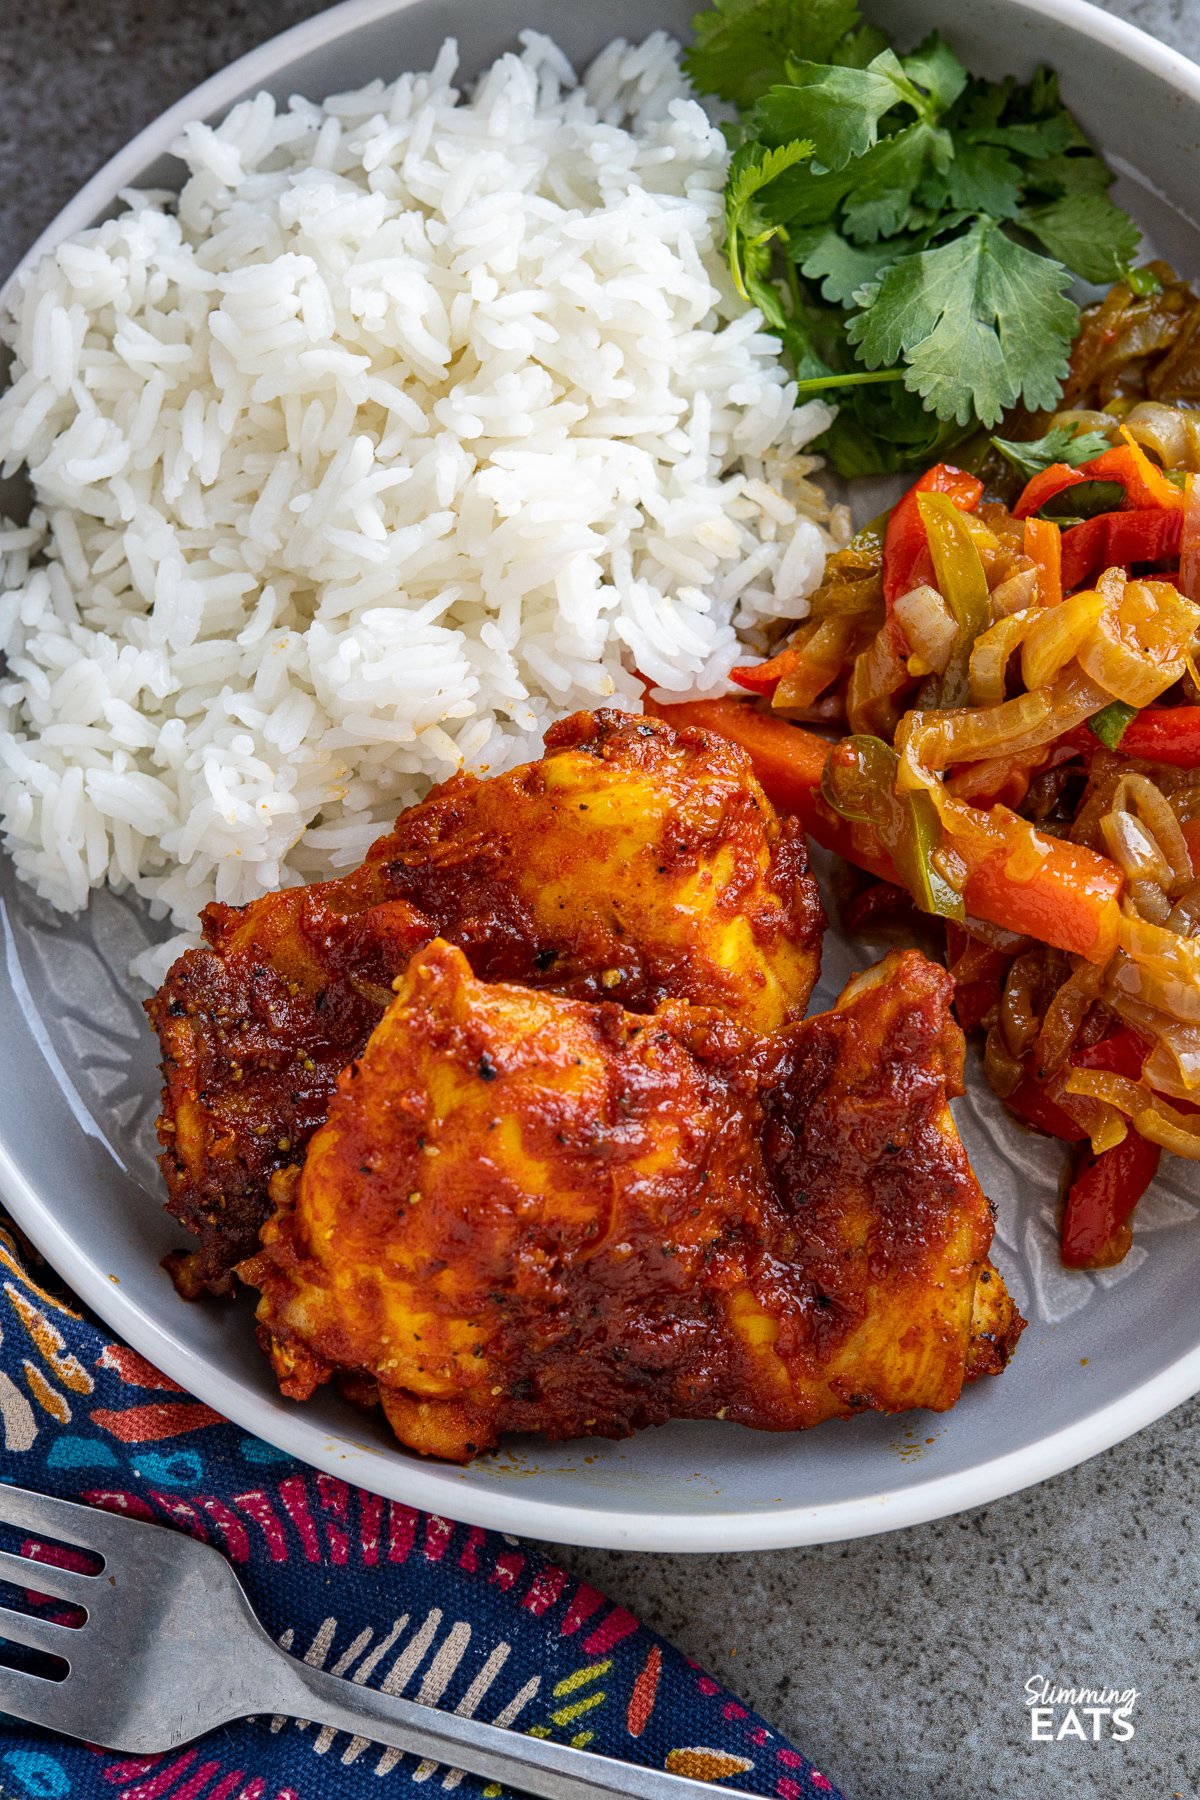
{"x":402,"y":1600}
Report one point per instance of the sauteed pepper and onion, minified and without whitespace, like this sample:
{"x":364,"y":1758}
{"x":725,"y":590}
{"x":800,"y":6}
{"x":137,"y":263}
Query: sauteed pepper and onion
{"x":1010,"y":658}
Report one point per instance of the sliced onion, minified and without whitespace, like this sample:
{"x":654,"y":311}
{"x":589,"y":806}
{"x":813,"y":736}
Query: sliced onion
{"x":935,"y":740}
{"x":1086,"y":418}
{"x":1105,"y":1126}
{"x":1174,"y":1131}
{"x":1173,"y":1065}
{"x":1149,"y":901}
{"x":1017,"y":592}
{"x":1113,"y":1090}
{"x":1141,"y":642}
{"x":929,"y":626}
{"x":1056,"y":635}
{"x":1160,"y":969}
{"x":990,"y":653}
{"x":821,"y":646}
{"x":1185,"y":914}
{"x":1162,"y":429}
{"x":1106,"y":772}
{"x":1152,"y":1118}
{"x":1157,"y":814}
{"x":1112,"y":583}
{"x":879,"y":673}
{"x":1018,"y":1017}
{"x":1066,"y":1013}
{"x":995,"y":937}
{"x":372,"y":991}
{"x":1004,"y":1071}
{"x":1133,"y":848}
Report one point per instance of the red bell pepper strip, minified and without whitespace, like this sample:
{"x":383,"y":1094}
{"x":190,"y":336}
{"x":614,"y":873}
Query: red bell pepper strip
{"x":1102,"y":1198}
{"x":1118,"y":537}
{"x":1045,"y":486}
{"x":1103,"y":1195}
{"x":1121,"y":1052}
{"x":979,"y":974}
{"x":1070,"y":901}
{"x":1033,"y":1106}
{"x":1144,"y":482}
{"x":1107,"y":1188}
{"x":1164,"y":734}
{"x":906,"y":559}
{"x":1161,"y":734}
{"x":764,"y":677}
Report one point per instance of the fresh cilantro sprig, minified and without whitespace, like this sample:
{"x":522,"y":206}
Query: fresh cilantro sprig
{"x":1068,"y":444}
{"x":910,"y":230}
{"x":750,"y":170}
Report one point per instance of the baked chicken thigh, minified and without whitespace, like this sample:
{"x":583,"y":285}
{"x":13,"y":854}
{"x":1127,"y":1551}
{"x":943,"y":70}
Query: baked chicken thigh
{"x":527,"y":1212}
{"x":633,"y":862}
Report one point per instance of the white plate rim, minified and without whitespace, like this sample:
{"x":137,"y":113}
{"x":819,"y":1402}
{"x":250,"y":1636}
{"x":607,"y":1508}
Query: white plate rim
{"x":430,"y":1486}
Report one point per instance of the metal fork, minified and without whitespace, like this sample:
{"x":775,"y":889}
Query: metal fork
{"x":171,"y":1648}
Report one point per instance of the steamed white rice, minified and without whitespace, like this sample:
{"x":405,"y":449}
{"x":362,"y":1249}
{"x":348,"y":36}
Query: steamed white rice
{"x":414,"y":422}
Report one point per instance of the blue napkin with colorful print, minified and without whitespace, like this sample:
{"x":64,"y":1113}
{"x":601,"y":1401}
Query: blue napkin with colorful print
{"x":370,"y":1589}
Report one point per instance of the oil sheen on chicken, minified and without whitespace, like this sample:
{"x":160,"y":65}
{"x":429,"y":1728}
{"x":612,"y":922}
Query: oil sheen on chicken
{"x":634,"y":861}
{"x":528,"y":1213}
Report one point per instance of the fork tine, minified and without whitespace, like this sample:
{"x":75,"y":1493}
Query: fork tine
{"x":46,"y":1578}
{"x":62,"y":1519}
{"x":37,"y":1634}
{"x":30,"y":1697}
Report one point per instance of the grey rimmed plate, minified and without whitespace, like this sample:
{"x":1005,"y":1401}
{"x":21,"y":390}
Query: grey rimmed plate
{"x":1104,"y":1354}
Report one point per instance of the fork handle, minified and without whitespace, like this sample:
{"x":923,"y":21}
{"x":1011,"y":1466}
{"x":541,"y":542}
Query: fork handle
{"x":529,"y":1765}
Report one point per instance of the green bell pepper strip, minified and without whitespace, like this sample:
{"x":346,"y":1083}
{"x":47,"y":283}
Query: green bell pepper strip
{"x":859,"y":782}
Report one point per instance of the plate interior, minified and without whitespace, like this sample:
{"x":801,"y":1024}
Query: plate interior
{"x":78,"y":1102}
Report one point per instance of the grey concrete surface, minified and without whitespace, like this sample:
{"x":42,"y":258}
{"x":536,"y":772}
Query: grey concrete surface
{"x":899,"y":1663}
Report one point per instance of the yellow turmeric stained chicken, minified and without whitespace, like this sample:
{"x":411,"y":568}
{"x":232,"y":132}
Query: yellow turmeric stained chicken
{"x":633,"y":862}
{"x":531,"y":1213}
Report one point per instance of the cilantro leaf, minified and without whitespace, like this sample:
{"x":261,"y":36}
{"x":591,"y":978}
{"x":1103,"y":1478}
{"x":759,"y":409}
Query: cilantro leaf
{"x":1034,"y":138}
{"x":1075,"y":172}
{"x":1042,"y":100}
{"x":881,"y":210}
{"x":1087,"y":233}
{"x":1062,"y":444}
{"x":981,"y":321}
{"x":802,"y":198}
{"x":881,"y":200}
{"x":799,"y":198}
{"x":838,"y":109}
{"x":842,"y":268}
{"x":982,"y":178}
{"x":934,"y":67}
{"x":1029,"y":120}
{"x":751,"y":169}
{"x":858,"y":47}
{"x":742,"y":46}
{"x":879,"y":431}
